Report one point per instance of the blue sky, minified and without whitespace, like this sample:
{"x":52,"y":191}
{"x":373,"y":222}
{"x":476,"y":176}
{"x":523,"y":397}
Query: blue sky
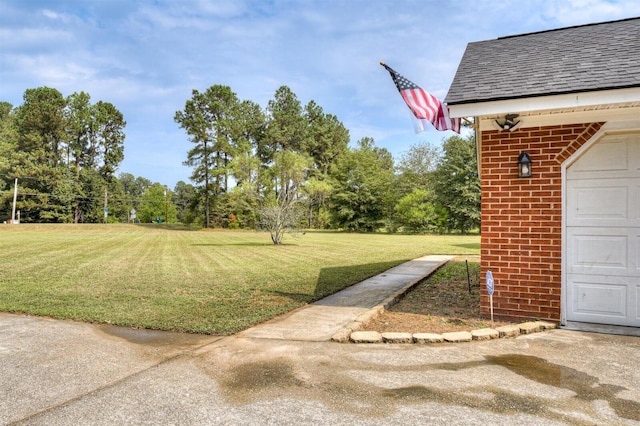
{"x":147,"y":56}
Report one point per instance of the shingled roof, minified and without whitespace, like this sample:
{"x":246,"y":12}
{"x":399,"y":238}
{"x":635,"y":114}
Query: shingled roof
{"x":576,"y":59}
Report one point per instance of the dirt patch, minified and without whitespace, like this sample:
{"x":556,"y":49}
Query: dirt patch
{"x":442,"y":303}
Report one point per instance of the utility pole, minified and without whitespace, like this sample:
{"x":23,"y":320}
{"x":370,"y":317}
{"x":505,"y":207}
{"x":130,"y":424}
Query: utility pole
{"x":106,"y":208}
{"x":15,"y":196}
{"x":166,"y":207}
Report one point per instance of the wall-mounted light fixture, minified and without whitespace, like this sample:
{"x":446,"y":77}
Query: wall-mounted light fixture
{"x":524,"y":165}
{"x":507,"y":123}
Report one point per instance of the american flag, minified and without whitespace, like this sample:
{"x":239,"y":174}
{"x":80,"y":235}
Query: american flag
{"x":422,"y":104}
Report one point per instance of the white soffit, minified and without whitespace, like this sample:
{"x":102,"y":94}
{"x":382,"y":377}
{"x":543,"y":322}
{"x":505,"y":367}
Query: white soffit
{"x":601,"y":113}
{"x":575,"y":102}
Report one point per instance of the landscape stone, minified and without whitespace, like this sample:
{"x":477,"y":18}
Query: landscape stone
{"x":397,"y":337}
{"x":508,"y":330}
{"x":370,"y":315}
{"x":428,"y":338}
{"x":529,"y":327}
{"x":457,"y":336}
{"x":546,"y":325}
{"x":342,"y":335}
{"x":366,"y":337}
{"x":484,"y":334}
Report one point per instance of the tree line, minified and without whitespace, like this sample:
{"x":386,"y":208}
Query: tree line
{"x":285,"y":166}
{"x":64,"y":151}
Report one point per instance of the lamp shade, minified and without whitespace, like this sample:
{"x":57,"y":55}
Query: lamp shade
{"x":524,"y":165}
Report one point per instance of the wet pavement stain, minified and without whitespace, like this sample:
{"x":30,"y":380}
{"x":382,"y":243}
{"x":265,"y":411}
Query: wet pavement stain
{"x":585,"y":386}
{"x":272,"y":379}
{"x":262,"y":375}
{"x":142,"y":336}
{"x":500,"y":402}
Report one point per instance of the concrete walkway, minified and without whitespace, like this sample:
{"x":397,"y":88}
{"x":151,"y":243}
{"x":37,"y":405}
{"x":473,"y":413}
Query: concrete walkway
{"x":327,"y":318}
{"x":70,"y":373}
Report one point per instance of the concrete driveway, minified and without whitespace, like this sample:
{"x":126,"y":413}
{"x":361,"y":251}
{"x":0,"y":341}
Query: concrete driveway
{"x":67,"y":373}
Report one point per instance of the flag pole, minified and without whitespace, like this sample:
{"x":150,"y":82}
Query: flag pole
{"x":471,"y":123}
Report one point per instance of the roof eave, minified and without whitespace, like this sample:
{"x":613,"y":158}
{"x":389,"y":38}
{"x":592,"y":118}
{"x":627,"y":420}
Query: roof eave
{"x":543,"y":103}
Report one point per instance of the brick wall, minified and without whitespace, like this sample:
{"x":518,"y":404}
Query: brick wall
{"x":521,"y":229}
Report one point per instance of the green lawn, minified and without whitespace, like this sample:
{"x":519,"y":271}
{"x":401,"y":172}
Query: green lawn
{"x":211,"y":282}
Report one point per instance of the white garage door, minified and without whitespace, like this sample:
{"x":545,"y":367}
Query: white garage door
{"x":603,"y":233}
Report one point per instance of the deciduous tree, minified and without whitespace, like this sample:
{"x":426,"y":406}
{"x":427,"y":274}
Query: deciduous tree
{"x":457,"y":184}
{"x":156,"y":204}
{"x":281,"y":210}
{"x":363,"y":194}
{"x":416,"y":167}
{"x":416,"y":211}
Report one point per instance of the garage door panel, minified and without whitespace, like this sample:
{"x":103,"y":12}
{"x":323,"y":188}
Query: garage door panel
{"x":635,"y":196}
{"x":602,"y":230}
{"x":610,"y":301}
{"x":607,"y":156}
{"x":633,"y":144}
{"x":592,"y":297}
{"x":599,"y":251}
{"x":607,"y":251}
{"x":595,"y":200}
{"x":635,"y":257}
{"x":635,"y":304}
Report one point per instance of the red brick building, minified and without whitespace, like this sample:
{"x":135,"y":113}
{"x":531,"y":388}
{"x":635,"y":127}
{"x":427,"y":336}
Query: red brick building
{"x":563,"y":244}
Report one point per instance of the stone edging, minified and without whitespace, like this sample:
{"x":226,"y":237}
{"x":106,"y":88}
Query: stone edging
{"x":453,"y":337}
{"x":350,"y":333}
{"x":345,"y":332}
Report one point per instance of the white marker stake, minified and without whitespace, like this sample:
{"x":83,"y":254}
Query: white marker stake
{"x":489,"y":281}
{"x":491,"y":305}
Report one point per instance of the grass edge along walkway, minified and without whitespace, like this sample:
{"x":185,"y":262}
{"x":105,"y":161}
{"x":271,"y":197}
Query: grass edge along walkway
{"x":190,"y":281}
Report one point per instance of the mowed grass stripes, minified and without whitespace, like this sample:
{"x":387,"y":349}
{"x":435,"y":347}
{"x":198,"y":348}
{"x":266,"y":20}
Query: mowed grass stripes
{"x":213,"y":282}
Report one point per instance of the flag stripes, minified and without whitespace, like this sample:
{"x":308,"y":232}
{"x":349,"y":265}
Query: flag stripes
{"x":423,"y":104}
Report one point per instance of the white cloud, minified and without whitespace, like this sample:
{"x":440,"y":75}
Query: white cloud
{"x":60,"y":75}
{"x":50,"y":14}
{"x":29,"y":39}
{"x":145,"y":57}
{"x":578,"y":12}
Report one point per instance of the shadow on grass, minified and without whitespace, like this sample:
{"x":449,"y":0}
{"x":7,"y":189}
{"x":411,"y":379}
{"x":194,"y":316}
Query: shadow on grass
{"x":170,"y":226}
{"x":332,"y":280}
{"x":300,"y":298}
{"x":249,"y":244}
{"x":474,"y":246}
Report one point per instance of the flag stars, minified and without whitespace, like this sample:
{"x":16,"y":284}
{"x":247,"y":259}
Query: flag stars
{"x":424,"y":105}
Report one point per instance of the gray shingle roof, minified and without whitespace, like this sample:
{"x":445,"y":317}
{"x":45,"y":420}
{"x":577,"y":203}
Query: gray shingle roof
{"x":568,"y":60}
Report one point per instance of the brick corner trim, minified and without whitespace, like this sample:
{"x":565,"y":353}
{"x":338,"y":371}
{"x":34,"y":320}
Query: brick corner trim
{"x":571,"y":148}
